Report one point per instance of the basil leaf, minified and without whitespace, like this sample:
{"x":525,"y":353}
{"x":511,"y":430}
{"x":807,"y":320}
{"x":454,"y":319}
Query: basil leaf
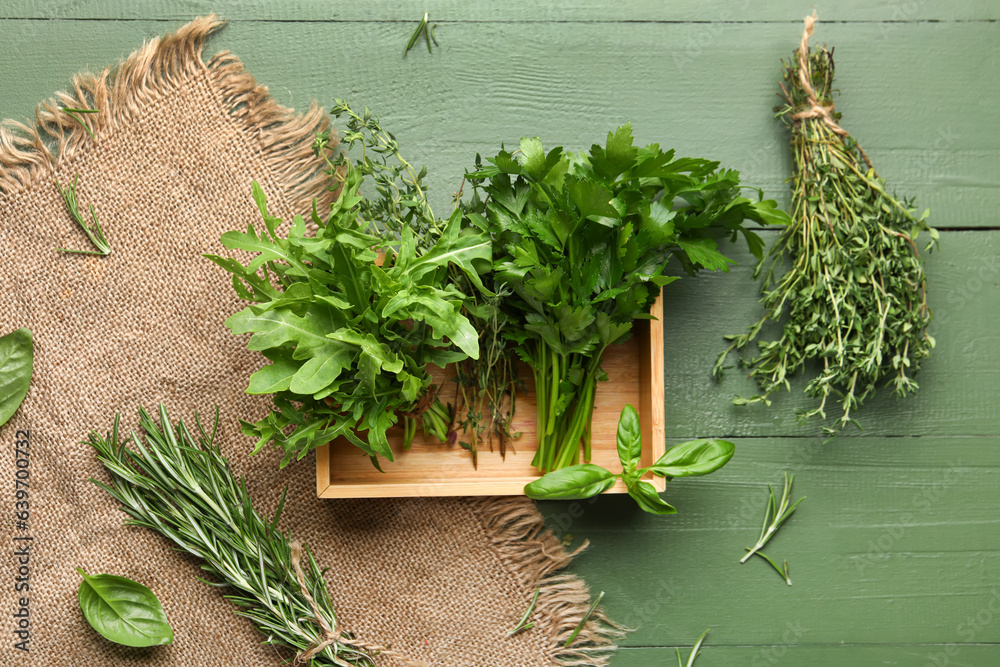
{"x":648,"y":499}
{"x":16,"y":361}
{"x":123,"y":611}
{"x":696,"y":457}
{"x":572,"y":483}
{"x":629,"y":438}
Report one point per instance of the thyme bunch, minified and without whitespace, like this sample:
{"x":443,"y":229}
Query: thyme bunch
{"x":853,"y":297}
{"x":177,"y":483}
{"x":485,"y":387}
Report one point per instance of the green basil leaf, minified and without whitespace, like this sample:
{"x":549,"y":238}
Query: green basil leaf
{"x":696,"y":457}
{"x":629,"y":437}
{"x":123,"y":611}
{"x":572,"y":483}
{"x":16,"y":361}
{"x":648,"y":499}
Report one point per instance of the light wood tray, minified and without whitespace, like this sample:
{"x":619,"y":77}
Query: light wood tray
{"x":429,"y":468}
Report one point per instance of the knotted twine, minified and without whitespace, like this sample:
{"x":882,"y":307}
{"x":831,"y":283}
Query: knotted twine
{"x":817,"y":110}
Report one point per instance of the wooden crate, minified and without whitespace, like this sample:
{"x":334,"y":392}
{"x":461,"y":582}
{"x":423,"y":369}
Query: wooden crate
{"x":430,"y":468}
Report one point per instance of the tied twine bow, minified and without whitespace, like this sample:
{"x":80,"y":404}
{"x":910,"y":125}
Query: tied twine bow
{"x":329,"y":636}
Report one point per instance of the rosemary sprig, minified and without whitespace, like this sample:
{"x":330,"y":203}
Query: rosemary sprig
{"x":425,"y":30}
{"x":777,"y":513}
{"x":694,"y":652}
{"x":69,"y":111}
{"x":94,"y":231}
{"x":523,"y":624}
{"x":180,"y":485}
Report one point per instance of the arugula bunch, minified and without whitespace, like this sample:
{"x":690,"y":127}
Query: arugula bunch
{"x":349,"y":341}
{"x":583,"y":241}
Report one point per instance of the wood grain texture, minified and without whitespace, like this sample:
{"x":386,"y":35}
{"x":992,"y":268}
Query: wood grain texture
{"x":896,"y":553}
{"x":926,"y":117}
{"x":897,"y":542}
{"x":960,"y":381}
{"x":520,"y":11}
{"x":847,"y":655}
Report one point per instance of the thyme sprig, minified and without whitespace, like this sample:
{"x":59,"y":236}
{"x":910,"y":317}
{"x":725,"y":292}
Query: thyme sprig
{"x":177,"y":482}
{"x":854,"y":298}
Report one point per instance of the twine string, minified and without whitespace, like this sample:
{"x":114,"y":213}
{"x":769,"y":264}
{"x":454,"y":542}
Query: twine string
{"x":815,"y":110}
{"x":329,"y":636}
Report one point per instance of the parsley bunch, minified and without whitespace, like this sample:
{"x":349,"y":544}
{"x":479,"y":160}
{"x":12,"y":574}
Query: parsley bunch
{"x":582,"y":241}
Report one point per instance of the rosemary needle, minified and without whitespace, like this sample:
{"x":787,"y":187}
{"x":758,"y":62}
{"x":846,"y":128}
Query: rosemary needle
{"x":523,"y":623}
{"x":583,"y":621}
{"x":694,"y":652}
{"x":69,"y":111}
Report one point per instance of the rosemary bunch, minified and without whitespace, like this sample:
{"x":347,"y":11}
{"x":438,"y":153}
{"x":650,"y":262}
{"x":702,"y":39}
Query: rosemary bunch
{"x":180,"y":485}
{"x":854,"y":297}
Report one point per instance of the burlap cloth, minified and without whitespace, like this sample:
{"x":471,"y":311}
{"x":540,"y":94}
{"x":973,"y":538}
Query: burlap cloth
{"x":177,"y":144}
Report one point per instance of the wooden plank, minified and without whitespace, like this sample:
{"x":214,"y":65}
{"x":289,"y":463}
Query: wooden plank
{"x":780,"y":653}
{"x":901,"y":529}
{"x":923,"y":113}
{"x":519,"y":11}
{"x":959,"y":384}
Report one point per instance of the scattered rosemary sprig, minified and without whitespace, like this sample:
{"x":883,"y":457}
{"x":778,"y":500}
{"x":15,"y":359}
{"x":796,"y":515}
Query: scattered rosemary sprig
{"x":854,"y":299}
{"x":782,"y":571}
{"x":583,"y":621}
{"x":523,"y":624}
{"x":425,"y":30}
{"x":94,"y":231}
{"x":777,"y":513}
{"x":69,"y":111}
{"x":694,"y":652}
{"x":180,"y":485}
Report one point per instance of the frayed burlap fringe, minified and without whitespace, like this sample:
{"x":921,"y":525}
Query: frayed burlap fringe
{"x":534,"y":555}
{"x":28,"y":153}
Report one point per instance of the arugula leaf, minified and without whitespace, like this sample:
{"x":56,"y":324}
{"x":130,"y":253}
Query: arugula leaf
{"x":349,"y":341}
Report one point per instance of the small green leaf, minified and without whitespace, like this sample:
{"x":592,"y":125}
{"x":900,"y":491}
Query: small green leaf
{"x":123,"y":611}
{"x":16,"y":362}
{"x":629,"y":437}
{"x":648,"y":499}
{"x":696,"y":457}
{"x":580,"y":481}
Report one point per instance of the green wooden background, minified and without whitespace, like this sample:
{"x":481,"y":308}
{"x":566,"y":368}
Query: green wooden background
{"x":895,"y":556}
